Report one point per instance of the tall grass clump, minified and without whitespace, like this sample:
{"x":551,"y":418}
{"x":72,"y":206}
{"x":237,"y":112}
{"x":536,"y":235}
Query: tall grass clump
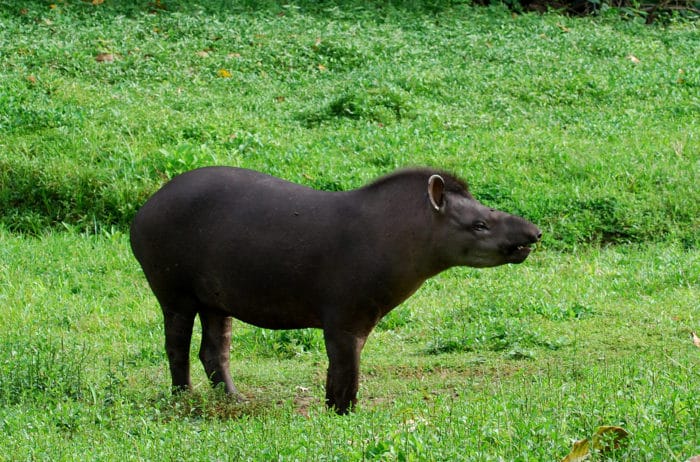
{"x":46,"y":373}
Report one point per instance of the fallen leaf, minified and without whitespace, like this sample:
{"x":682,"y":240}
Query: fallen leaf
{"x":579,"y":452}
{"x":604,"y":439}
{"x":609,"y":437}
{"x":98,"y":2}
{"x":31,"y":79}
{"x":694,"y":459}
{"x":563,"y":28}
{"x":634,"y":59}
{"x":224,"y":74}
{"x":696,"y":339}
{"x":104,"y":58}
{"x":203,"y":54}
{"x":53,"y":6}
{"x":157,"y":5}
{"x":322,"y":68}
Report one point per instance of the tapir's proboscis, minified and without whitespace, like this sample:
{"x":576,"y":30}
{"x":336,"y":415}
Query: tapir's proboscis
{"x":223,"y":242}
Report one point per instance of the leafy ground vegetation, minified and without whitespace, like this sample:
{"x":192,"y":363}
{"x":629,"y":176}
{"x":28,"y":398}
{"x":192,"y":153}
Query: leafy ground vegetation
{"x":587,"y":126}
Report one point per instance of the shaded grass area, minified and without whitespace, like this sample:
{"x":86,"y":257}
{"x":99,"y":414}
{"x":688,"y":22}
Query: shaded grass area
{"x":82,"y":365}
{"x":545,"y":116}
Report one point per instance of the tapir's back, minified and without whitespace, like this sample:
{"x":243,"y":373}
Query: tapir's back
{"x":233,"y":239}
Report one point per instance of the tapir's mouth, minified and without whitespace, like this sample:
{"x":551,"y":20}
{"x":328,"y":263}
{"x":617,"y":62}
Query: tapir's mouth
{"x":518,"y":253}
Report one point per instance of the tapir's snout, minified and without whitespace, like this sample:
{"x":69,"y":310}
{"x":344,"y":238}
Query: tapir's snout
{"x":522,"y":236}
{"x":535,"y":234}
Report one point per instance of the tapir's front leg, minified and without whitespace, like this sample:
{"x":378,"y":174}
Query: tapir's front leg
{"x":343,"y":349}
{"x":215,"y":350}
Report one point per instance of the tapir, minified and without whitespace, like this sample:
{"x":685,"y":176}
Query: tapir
{"x":224,"y":242}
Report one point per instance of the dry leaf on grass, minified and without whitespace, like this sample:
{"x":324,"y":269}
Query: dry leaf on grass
{"x":608,"y":437}
{"x":604,"y":439}
{"x":696,"y":339}
{"x":104,"y":58}
{"x":579,"y":452}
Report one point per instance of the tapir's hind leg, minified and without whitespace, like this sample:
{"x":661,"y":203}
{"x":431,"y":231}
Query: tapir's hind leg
{"x":178,"y":335}
{"x":214,"y":352}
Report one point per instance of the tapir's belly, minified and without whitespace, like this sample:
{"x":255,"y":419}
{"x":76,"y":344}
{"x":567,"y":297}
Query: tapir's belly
{"x":276,"y":318}
{"x":268,"y":302}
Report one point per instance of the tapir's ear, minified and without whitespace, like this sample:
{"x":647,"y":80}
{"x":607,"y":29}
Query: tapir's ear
{"x":436,"y":192}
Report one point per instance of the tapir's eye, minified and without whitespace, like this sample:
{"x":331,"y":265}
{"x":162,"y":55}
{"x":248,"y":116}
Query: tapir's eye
{"x":480,"y":226}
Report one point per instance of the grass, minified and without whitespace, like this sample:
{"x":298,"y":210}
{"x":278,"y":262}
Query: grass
{"x":596,"y":147}
{"x":84,"y":371}
{"x":586,"y":126}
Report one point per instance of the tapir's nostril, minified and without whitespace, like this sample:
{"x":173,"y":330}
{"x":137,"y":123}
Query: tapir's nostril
{"x":539,"y":235}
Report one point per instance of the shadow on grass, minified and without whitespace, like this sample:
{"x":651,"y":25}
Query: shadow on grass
{"x":215,"y":404}
{"x":29,"y":9}
{"x":651,"y":11}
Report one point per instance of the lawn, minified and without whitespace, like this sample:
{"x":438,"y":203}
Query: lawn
{"x":586,"y":126}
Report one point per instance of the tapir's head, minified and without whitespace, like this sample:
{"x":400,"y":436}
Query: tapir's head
{"x":472,"y":234}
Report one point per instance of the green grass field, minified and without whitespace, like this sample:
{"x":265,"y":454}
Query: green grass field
{"x":587,"y":126}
